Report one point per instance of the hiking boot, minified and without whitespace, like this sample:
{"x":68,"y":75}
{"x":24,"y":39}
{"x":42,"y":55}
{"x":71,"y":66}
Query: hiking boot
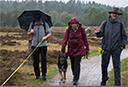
{"x":75,"y":82}
{"x":103,"y":83}
{"x":37,"y":77}
{"x":44,"y":77}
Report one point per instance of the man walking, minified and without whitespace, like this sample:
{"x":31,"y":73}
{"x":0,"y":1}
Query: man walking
{"x":113,"y":42}
{"x":39,"y":31}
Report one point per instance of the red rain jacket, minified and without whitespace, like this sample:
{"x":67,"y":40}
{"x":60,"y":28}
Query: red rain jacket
{"x":76,"y":44}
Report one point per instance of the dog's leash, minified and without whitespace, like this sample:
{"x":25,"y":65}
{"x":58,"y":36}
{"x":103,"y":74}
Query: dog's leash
{"x":21,"y":64}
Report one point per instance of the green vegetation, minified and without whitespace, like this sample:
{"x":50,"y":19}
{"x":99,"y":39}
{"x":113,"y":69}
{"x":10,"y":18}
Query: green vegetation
{"x":52,"y":70}
{"x":90,"y":13}
{"x":124,"y":74}
{"x":12,"y":56}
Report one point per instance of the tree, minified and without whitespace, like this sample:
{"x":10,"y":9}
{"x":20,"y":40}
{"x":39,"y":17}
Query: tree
{"x":54,"y":16}
{"x":91,"y":14}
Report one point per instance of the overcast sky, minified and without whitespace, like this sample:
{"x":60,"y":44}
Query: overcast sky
{"x":117,"y":3}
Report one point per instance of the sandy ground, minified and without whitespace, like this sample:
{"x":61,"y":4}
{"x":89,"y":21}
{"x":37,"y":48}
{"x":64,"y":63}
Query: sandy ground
{"x":90,"y":72}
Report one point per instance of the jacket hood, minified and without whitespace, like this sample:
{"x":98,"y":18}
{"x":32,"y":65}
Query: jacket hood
{"x":74,"y":20}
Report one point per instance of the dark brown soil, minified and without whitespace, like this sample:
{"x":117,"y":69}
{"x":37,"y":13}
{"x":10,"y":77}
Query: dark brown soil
{"x":10,"y":60}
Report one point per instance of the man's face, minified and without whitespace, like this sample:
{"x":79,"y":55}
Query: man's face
{"x":38,"y":22}
{"x":114,"y":15}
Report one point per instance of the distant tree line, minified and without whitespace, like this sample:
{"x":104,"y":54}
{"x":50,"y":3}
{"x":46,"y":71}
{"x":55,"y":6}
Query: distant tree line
{"x":89,"y":14}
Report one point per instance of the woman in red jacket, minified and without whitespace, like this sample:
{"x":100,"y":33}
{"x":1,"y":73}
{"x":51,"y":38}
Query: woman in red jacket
{"x":76,"y":38}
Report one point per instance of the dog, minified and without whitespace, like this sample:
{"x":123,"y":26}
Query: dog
{"x":62,"y":66}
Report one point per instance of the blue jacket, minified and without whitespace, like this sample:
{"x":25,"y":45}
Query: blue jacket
{"x":39,"y":33}
{"x":111,"y":34}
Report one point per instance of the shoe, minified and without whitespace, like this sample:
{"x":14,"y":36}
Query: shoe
{"x":37,"y":77}
{"x":75,"y":82}
{"x":103,"y":83}
{"x":44,"y":77}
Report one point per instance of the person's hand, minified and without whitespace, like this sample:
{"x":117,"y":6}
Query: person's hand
{"x":44,"y":38}
{"x":121,"y":48}
{"x":32,"y":31}
{"x":62,"y":53}
{"x":87,"y":54}
{"x":95,"y":30}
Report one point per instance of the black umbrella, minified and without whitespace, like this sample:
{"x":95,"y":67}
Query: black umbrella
{"x":28,"y":16}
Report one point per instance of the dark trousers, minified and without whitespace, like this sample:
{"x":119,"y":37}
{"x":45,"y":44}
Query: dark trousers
{"x":75,"y":66}
{"x":36,"y":59}
{"x":116,"y":64}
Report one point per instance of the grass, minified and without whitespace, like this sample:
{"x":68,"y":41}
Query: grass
{"x":26,"y":73}
{"x":124,"y":74}
{"x":54,"y":47}
{"x":52,"y":70}
{"x":27,"y":70}
{"x":9,"y":34}
{"x":23,"y":46}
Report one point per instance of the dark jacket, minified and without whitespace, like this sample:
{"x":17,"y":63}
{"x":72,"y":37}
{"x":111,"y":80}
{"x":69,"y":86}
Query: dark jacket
{"x":111,"y":33}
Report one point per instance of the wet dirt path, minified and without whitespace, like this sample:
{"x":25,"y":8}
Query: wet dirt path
{"x":90,"y":72}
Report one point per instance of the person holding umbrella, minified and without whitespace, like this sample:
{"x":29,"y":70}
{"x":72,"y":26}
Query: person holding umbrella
{"x":39,"y":30}
{"x":113,"y":42}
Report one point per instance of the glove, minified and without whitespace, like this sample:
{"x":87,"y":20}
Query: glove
{"x":86,"y":55}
